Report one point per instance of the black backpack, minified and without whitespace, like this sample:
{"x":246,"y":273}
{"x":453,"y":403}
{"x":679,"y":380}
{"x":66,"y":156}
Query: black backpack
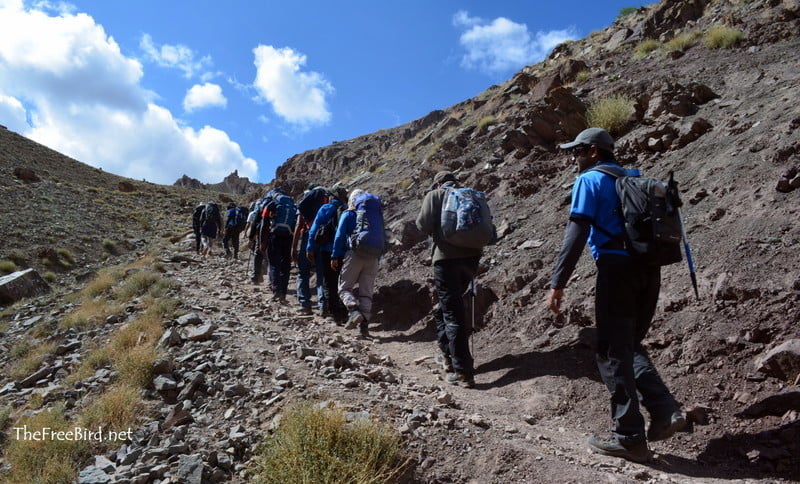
{"x":649,"y":209}
{"x":211,"y":213}
{"x":311,"y":202}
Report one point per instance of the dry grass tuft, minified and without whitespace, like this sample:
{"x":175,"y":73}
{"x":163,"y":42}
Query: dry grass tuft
{"x":722,"y":37}
{"x":611,"y":113}
{"x":44,"y":461}
{"x":318,"y":445}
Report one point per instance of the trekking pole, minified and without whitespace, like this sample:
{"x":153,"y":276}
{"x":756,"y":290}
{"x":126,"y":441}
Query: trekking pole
{"x":472,"y":327}
{"x":688,"y":251}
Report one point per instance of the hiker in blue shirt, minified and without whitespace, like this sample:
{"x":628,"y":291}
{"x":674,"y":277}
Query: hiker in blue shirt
{"x":332,"y":305}
{"x":626,"y":293}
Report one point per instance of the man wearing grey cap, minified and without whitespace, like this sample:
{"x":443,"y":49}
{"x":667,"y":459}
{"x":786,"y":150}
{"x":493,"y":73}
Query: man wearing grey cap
{"x":626,"y":293}
{"x":453,"y":270}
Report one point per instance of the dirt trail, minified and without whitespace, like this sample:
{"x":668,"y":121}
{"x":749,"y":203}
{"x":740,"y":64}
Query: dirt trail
{"x":516,"y":426}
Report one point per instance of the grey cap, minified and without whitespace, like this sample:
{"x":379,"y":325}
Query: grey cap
{"x":592,"y":136}
{"x":442,"y":177}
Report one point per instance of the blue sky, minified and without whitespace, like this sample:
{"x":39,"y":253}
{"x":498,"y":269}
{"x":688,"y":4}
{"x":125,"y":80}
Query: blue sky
{"x":157,"y":89}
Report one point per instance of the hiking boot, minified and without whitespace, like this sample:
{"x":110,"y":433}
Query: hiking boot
{"x":664,"y":428}
{"x":306,"y":311}
{"x":632,"y":451}
{"x":363,"y":332}
{"x":461,"y":379}
{"x":354,"y":319}
{"x":446,"y":361}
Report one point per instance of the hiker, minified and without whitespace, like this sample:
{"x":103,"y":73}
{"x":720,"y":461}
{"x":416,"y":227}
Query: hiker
{"x":278,"y":221}
{"x":326,"y":222}
{"x":454,"y":267}
{"x":358,"y":266}
{"x":196,"y":225}
{"x":236,"y":219}
{"x":625,"y":301}
{"x":210,"y":226}
{"x":308,"y":207}
{"x":257,"y":244}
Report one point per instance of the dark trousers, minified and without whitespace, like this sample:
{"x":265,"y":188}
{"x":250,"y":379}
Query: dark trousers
{"x":279,"y":253}
{"x":304,"y":271}
{"x":330,"y":288}
{"x":232,"y":237}
{"x":625,"y":301}
{"x":197,"y":239}
{"x":258,"y":264}
{"x":452,"y":278}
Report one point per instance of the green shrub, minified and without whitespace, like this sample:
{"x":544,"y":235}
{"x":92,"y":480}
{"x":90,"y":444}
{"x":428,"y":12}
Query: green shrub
{"x":610,"y":113}
{"x":722,"y":37}
{"x":49,"y":276}
{"x":7,"y":266}
{"x":17,"y":256}
{"x":137,"y":284}
{"x":682,"y":42}
{"x":645,"y":47}
{"x":486,"y":121}
{"x":625,"y":11}
{"x":65,"y":255}
{"x":109,"y":244}
{"x":318,"y":445}
{"x":582,"y":76}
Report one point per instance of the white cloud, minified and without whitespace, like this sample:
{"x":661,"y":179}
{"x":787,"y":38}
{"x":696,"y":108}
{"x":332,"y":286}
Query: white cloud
{"x":12,"y":114}
{"x":203,"y":96}
{"x":177,"y":56}
{"x":502,"y":45}
{"x":83,"y":98}
{"x":296,"y":96}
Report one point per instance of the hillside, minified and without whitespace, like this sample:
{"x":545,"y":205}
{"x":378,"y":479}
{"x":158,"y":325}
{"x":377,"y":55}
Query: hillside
{"x":725,"y":120}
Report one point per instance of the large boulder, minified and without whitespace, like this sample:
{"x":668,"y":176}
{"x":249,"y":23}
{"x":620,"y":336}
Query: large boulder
{"x":20,"y":285}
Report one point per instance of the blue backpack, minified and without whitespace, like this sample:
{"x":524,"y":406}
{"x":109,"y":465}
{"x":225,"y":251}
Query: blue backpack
{"x":284,"y":213}
{"x":368,"y":237}
{"x":237,"y":218}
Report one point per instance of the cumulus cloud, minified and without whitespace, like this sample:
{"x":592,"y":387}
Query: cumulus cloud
{"x":501,"y":45}
{"x":82,"y":97}
{"x":12,"y":114}
{"x":203,"y":96}
{"x":296,"y":96}
{"x":175,"y":56}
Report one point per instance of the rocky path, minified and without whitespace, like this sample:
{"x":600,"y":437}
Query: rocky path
{"x":241,"y":358}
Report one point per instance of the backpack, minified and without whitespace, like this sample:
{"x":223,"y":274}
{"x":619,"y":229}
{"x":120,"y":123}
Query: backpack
{"x":210,"y":213}
{"x":284,"y":213}
{"x":327,"y":231}
{"x":312,"y":202}
{"x":258,"y":208}
{"x":238,"y":219}
{"x":368,"y":236}
{"x":197,"y":216}
{"x":466,"y":219}
{"x":649,"y":209}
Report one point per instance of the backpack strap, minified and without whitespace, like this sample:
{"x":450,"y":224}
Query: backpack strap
{"x":615,"y":172}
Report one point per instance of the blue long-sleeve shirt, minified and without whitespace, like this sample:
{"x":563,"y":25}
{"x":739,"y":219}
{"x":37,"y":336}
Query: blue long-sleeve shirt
{"x":347,"y":225}
{"x":326,"y":212}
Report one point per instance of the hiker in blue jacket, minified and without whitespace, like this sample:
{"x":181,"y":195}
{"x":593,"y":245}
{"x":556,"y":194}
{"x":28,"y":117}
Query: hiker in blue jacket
{"x":357,"y":269}
{"x":332,"y":305}
{"x":626,"y":293}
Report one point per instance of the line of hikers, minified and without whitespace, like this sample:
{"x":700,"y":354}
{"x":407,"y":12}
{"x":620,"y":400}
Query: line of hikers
{"x":632,"y":225}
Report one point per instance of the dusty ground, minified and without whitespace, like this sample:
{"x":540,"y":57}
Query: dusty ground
{"x":526,"y":421}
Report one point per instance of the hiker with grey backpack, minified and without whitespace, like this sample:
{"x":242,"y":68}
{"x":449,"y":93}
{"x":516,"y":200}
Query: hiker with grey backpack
{"x":460,"y":223}
{"x":632,"y":225}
